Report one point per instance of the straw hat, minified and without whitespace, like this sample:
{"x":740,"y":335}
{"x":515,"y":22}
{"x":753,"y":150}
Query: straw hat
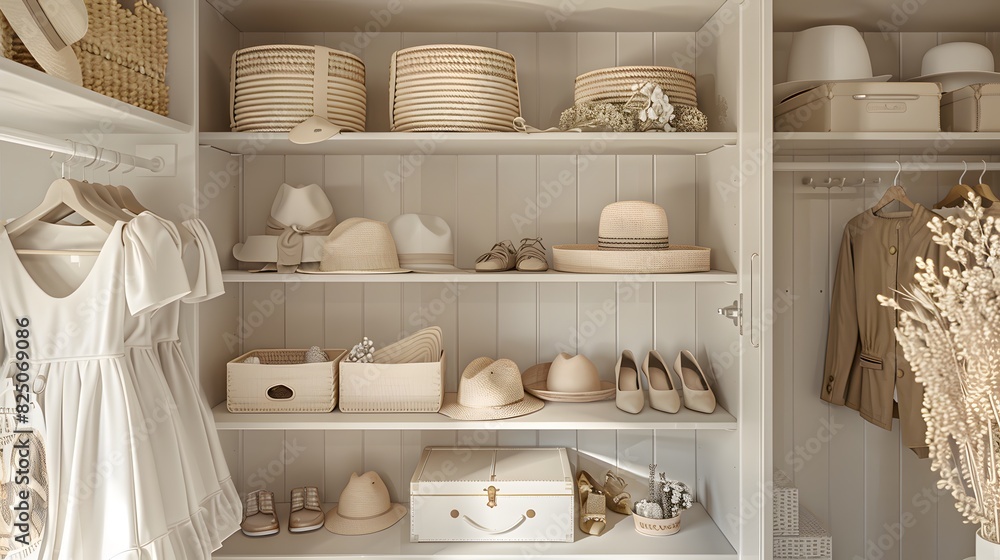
{"x":956,"y":65}
{"x":364,"y":507}
{"x":301,"y":218}
{"x":423,"y":346}
{"x":358,"y":246}
{"x":489,"y":390}
{"x":632,"y":238}
{"x":48,"y":29}
{"x":423,"y":243}
{"x":567,"y":379}
{"x":829,"y":53}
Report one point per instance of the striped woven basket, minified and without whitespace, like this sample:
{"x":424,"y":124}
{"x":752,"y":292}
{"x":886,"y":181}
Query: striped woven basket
{"x":616,"y":85}
{"x":123,"y":55}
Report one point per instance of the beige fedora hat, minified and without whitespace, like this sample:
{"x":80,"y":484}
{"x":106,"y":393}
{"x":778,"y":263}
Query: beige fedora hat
{"x":567,"y":379}
{"x":357,"y":246}
{"x":48,"y":28}
{"x":364,"y":507}
{"x":489,"y":390}
{"x":959,"y":64}
{"x":632,"y":239}
{"x":301,"y":218}
{"x":423,"y":243}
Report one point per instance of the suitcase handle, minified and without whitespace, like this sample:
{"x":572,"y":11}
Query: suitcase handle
{"x":489,"y":531}
{"x":884,"y":97}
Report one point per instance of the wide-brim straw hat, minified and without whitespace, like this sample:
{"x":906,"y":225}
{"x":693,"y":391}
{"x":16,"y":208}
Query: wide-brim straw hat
{"x":364,"y":507}
{"x":632,"y":239}
{"x":358,"y":246}
{"x":489,"y":390}
{"x":48,"y":29}
{"x":567,"y":379}
{"x":957,"y":65}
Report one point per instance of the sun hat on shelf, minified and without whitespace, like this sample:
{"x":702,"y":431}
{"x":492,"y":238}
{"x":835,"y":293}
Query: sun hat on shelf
{"x":364,"y":507}
{"x":301,"y":218}
{"x":632,"y":238}
{"x":489,"y":390}
{"x":423,"y":346}
{"x":956,"y":65}
{"x":424,"y":243}
{"x":48,"y":28}
{"x":357,"y":246}
{"x":825,"y":54}
{"x":567,"y":379}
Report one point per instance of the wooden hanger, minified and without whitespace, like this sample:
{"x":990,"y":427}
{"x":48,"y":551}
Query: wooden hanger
{"x":63,"y":193}
{"x":896,"y":193}
{"x":984,"y":190}
{"x":958,"y":194}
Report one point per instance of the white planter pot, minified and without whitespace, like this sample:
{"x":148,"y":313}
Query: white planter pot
{"x":656,"y":527}
{"x":986,"y":550}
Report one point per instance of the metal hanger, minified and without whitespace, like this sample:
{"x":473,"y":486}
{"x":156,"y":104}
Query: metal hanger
{"x":896,"y":193}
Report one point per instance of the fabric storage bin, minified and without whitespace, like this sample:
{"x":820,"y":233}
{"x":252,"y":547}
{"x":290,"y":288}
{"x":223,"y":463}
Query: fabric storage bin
{"x":282,"y":382}
{"x":415,"y":387}
{"x":974,"y":108}
{"x":862,"y":107}
{"x":497,"y":494}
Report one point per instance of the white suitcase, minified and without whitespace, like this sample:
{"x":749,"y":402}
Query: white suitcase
{"x":495,"y":494}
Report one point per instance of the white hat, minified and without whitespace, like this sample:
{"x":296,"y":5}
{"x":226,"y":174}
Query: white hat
{"x":956,"y":65}
{"x":357,"y":246}
{"x":48,"y":28}
{"x":424,"y":243}
{"x":567,"y":379}
{"x":489,"y":390}
{"x":301,"y":218}
{"x":829,"y":53}
{"x":632,"y":239}
{"x":364,"y":507}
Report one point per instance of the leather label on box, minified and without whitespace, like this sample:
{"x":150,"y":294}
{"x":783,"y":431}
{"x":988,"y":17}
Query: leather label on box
{"x":886,"y":107}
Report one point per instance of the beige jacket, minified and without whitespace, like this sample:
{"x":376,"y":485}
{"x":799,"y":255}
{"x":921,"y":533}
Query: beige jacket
{"x":864,"y":365}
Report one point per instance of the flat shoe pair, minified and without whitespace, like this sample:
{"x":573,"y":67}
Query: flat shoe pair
{"x":663,"y":393}
{"x":260,"y":520}
{"x":529,"y":257}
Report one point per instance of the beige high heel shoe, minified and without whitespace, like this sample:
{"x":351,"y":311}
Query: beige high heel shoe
{"x":593,"y":516}
{"x":663,"y":395}
{"x":698,"y":395}
{"x":619,"y":501}
{"x":628,"y":395}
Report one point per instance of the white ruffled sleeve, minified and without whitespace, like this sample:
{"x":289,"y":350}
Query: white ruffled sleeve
{"x":154,"y":270}
{"x":206,"y":281}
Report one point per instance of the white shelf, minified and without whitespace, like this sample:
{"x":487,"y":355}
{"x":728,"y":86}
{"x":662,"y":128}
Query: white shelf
{"x":885,"y":143}
{"x":474,"y":143}
{"x":602,"y":415}
{"x":698,"y":539}
{"x":245,"y":277}
{"x":35,"y":101}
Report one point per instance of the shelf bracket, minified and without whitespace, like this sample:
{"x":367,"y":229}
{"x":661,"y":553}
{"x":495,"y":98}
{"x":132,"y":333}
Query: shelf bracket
{"x":734,"y":313}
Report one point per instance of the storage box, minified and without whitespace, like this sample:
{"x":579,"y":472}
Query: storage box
{"x":496,"y":494}
{"x":862,"y":107}
{"x":974,"y":108}
{"x":812,"y":540}
{"x":786,"y":506}
{"x":416,"y":387}
{"x":282,"y":382}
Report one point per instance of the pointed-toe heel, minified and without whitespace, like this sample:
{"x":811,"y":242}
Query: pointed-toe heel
{"x":663,"y":395}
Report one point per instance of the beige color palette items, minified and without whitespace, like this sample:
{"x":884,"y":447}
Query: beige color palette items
{"x":489,"y":390}
{"x":567,"y":379}
{"x":364,"y":507}
{"x":618,"y":84}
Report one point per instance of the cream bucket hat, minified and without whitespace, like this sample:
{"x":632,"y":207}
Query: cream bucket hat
{"x":364,"y":507}
{"x":358,"y":246}
{"x":567,"y":379}
{"x":489,"y":390}
{"x":48,"y":28}
{"x":956,"y":65}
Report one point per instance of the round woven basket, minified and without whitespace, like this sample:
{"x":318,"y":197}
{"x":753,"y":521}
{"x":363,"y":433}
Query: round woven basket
{"x":595,"y":260}
{"x":276,"y":87}
{"x":453,"y":88}
{"x":615,"y":85}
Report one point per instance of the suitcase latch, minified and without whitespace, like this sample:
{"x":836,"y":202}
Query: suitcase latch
{"x":491,"y":494}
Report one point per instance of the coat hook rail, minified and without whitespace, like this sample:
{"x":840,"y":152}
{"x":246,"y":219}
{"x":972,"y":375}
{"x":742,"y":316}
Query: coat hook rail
{"x":84,"y":151}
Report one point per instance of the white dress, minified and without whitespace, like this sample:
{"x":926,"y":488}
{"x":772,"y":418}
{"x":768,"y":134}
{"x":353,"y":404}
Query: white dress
{"x":105,"y":495}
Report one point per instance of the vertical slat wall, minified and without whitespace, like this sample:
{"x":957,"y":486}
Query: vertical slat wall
{"x":875,"y":496}
{"x":556,"y":197}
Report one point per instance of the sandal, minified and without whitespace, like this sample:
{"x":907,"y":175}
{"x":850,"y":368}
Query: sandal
{"x":593,"y":518}
{"x":619,"y":499}
{"x":531,"y":256}
{"x":500,"y":258}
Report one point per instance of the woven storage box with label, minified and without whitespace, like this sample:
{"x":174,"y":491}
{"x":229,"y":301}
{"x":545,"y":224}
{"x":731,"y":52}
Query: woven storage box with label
{"x":862,"y":107}
{"x":813,"y":541}
{"x":282,"y":382}
{"x":974,"y":108}
{"x":786,"y":506}
{"x":416,"y":387}
{"x":502,"y":494}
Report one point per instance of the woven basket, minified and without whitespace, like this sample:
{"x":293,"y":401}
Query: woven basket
{"x":282,"y":382}
{"x":123,"y":55}
{"x":459,"y":75}
{"x":301,"y":81}
{"x":786,"y":506}
{"x":594,"y":260}
{"x":614,"y":85}
{"x":812,"y":541}
{"x":412,"y":387}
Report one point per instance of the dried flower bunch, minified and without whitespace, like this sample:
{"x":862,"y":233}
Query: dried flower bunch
{"x":649,"y":109}
{"x":951,"y":337}
{"x":363,"y":352}
{"x":667,"y":498}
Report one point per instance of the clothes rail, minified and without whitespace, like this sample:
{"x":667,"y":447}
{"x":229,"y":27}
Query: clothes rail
{"x":875,"y":167}
{"x":85,"y":152}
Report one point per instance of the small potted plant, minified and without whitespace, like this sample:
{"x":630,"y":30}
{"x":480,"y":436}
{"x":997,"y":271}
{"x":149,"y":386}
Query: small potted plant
{"x":660,"y":514}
